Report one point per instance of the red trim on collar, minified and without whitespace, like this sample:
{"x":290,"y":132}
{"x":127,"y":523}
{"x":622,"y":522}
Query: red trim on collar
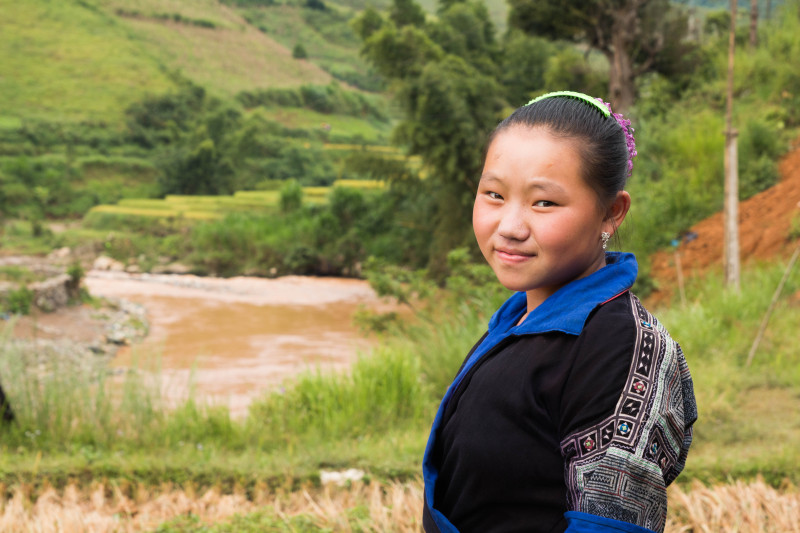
{"x":615,"y":296}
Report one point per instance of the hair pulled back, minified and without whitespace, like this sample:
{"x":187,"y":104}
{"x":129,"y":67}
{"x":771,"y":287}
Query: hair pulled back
{"x":600,"y":140}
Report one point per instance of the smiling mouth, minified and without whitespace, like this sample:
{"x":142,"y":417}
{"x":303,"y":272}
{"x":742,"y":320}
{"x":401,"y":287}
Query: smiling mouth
{"x":512,"y":256}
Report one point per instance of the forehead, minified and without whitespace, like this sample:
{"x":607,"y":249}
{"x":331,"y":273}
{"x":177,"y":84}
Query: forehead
{"x":522,"y":152}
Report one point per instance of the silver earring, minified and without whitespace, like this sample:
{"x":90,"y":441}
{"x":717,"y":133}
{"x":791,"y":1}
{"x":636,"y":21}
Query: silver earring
{"x":604,"y":238}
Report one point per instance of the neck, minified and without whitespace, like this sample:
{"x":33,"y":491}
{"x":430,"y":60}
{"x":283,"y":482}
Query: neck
{"x":535,"y":297}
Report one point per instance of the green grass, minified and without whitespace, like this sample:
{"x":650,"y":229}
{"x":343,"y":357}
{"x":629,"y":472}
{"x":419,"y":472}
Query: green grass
{"x":207,"y":10}
{"x":89,"y":60}
{"x":166,"y":212}
{"x":226,"y":61}
{"x":64,"y":61}
{"x":326,"y":36}
{"x":17,"y":238}
{"x":17,"y":274}
{"x":338,"y":127}
{"x":745,"y":426}
{"x":77,"y":422}
{"x":74,"y":421}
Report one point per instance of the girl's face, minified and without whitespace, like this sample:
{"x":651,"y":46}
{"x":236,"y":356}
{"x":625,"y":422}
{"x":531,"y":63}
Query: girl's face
{"x":536,"y":220}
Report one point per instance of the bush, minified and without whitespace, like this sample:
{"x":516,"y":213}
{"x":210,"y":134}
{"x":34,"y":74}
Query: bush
{"x":291,"y":196}
{"x":299,"y":52}
{"x":76,"y":274}
{"x":759,"y":147}
{"x":19,"y":301}
{"x":318,"y":5}
{"x":328,"y":99}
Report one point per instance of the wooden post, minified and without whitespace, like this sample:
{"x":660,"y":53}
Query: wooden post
{"x":731,"y":226}
{"x":679,"y":269}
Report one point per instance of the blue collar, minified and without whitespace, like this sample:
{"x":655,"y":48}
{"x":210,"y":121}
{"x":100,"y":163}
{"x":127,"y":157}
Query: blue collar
{"x":567,"y":309}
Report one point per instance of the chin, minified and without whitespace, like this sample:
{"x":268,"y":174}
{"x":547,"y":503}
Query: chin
{"x":514,"y":285}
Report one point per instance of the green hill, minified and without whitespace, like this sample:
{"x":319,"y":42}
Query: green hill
{"x":89,"y":60}
{"x":99,"y":98}
{"x":67,"y":61}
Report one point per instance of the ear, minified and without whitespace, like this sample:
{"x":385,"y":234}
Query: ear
{"x":617,"y":211}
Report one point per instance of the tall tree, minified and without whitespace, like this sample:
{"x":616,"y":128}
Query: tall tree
{"x":444,"y":76}
{"x":630,"y":33}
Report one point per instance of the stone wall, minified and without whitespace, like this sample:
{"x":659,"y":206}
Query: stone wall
{"x":48,"y":295}
{"x":52,"y":293}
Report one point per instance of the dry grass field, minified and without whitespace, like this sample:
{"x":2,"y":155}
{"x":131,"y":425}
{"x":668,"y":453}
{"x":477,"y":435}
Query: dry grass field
{"x":380,"y":507}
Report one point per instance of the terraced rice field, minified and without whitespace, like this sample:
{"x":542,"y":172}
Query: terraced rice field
{"x":212,"y":207}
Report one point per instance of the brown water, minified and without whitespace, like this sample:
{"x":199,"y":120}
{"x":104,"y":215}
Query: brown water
{"x":238,"y":338}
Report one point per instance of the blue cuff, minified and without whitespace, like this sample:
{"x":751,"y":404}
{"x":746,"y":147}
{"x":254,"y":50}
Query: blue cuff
{"x":589,"y":523}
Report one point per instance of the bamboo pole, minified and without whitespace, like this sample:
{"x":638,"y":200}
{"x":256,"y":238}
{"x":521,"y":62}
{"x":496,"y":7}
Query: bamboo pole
{"x":731,"y":226}
{"x":768,"y":314}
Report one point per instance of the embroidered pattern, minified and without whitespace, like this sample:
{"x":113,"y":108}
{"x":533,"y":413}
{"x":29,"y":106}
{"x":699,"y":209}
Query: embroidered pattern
{"x":641,"y":448}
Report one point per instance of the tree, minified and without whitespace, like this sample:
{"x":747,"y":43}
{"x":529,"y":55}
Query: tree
{"x":299,"y":52}
{"x":317,"y":5}
{"x":291,"y":196}
{"x":407,"y":13}
{"x":445,"y":78}
{"x":630,"y":33}
{"x":524,"y":63}
{"x":367,"y":23}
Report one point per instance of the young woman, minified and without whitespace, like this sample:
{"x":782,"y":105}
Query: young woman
{"x":574,"y":411}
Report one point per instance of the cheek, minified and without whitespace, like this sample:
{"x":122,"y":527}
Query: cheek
{"x":569,"y":233}
{"x":559,"y":233}
{"x":481,"y":224}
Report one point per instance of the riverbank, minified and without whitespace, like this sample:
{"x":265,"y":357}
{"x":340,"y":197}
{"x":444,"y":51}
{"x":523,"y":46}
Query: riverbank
{"x":225,"y":341}
{"x":232,"y":340}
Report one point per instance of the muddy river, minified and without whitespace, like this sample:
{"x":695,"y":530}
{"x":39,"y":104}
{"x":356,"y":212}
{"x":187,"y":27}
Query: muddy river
{"x":237,"y":338}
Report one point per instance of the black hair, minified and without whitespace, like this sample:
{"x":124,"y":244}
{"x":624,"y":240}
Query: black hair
{"x":601,"y":140}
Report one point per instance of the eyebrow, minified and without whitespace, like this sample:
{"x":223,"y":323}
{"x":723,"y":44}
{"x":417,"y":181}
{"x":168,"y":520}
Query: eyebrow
{"x":533,"y":183}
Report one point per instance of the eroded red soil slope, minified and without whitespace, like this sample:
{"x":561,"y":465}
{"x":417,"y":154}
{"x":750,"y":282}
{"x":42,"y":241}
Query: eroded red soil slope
{"x":764,"y":226}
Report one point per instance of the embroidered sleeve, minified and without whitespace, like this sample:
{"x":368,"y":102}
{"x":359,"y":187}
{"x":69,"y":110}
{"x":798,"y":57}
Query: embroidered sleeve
{"x":619,"y":467}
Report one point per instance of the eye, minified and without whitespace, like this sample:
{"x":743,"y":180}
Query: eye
{"x":493,"y":195}
{"x":544,"y":203}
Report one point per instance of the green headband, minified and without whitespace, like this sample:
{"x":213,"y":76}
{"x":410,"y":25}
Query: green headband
{"x":580,"y":96}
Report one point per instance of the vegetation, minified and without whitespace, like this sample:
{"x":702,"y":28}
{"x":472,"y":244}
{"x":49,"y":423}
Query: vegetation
{"x":634,"y":37}
{"x":393,"y":507}
{"x":75,"y":422}
{"x":359,"y":160}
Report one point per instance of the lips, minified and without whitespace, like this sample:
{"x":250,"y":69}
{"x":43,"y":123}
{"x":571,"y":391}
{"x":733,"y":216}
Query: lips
{"x":508,"y":255}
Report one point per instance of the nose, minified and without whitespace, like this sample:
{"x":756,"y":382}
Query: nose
{"x":513,"y":225}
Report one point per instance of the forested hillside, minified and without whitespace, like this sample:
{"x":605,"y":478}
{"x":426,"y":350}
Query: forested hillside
{"x":106,"y":101}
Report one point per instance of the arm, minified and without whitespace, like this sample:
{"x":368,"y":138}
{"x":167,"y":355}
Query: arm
{"x":617,"y":466}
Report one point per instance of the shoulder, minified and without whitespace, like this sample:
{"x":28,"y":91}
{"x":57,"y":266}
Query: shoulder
{"x":601,"y":358}
{"x":604,"y":348}
{"x":612,"y":322}
{"x":624,"y":321}
{"x":643,"y":441}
